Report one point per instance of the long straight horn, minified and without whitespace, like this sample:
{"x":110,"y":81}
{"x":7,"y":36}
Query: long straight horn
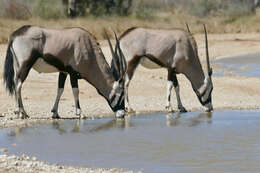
{"x":209,"y":69}
{"x":120,"y":64}
{"x":122,"y":61}
{"x":112,"y":52}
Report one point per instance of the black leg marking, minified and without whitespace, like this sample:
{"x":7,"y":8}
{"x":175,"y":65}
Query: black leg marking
{"x":74,"y":84}
{"x":75,"y":88}
{"x":132,"y":65}
{"x":62,"y":79}
{"x":74,"y":81}
{"x":61,"y":83}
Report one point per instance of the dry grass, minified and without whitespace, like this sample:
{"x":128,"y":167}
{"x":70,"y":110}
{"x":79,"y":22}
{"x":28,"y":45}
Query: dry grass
{"x":166,"y":20}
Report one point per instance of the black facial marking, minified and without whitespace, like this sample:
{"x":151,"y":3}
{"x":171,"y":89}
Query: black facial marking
{"x":117,"y":102}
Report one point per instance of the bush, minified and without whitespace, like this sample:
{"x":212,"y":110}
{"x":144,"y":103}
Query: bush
{"x":108,"y":7}
{"x":24,"y":9}
{"x":14,"y":9}
{"x":227,"y":7}
{"x":144,"y":12}
{"x":46,"y":9}
{"x":204,"y":7}
{"x":239,"y":7}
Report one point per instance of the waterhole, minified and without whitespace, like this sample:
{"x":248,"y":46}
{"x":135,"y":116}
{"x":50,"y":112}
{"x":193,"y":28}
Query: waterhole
{"x":244,"y":65}
{"x":222,"y":141}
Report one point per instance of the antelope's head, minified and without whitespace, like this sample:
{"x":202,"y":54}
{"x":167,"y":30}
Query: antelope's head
{"x":205,"y":91}
{"x":118,"y":67}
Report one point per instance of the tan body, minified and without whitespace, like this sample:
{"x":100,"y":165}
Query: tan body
{"x":175,"y":50}
{"x":72,"y":51}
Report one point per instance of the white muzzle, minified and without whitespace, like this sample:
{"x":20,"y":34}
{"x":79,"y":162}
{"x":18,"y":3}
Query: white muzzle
{"x":120,"y":114}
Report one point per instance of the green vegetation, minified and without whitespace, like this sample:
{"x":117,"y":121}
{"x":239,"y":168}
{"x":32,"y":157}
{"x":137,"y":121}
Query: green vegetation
{"x":142,"y":9}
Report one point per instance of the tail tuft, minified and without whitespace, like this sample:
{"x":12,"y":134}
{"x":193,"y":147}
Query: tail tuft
{"x":9,"y":71}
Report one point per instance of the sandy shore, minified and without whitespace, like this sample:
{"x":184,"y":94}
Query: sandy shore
{"x":147,"y":92}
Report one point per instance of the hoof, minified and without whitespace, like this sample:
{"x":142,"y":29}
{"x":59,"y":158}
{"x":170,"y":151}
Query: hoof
{"x":78,"y":112}
{"x":182,"y":110}
{"x":16,"y":112}
{"x":169,"y":109}
{"x":21,"y":114}
{"x":24,"y":115}
{"x":55,"y":116}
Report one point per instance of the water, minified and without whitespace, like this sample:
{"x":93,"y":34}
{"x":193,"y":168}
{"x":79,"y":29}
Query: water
{"x":244,"y":65}
{"x":224,"y":141}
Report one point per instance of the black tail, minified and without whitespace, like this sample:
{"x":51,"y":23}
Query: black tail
{"x":9,"y":70}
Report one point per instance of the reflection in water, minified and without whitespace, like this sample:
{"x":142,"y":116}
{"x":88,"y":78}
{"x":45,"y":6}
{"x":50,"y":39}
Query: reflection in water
{"x":56,"y":125}
{"x":173,"y":119}
{"x":191,"y":121}
{"x":115,"y":123}
{"x":17,"y":131}
{"x":79,"y":125}
{"x":188,"y":142}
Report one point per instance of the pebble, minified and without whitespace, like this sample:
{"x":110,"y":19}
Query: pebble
{"x":16,"y":163}
{"x":34,"y":158}
{"x":3,"y":150}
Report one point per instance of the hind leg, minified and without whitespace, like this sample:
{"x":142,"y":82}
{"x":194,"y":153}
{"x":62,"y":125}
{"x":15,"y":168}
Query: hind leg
{"x":75,"y":90}
{"x":168,"y":106}
{"x":61,"y":83}
{"x":177,"y":92}
{"x":21,"y":113}
{"x":131,"y":67}
{"x":20,"y":78}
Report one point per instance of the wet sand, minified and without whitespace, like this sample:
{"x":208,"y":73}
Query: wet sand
{"x":147,"y":89}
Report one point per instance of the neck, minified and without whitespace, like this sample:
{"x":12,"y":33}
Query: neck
{"x":98,"y":73}
{"x":197,"y":78}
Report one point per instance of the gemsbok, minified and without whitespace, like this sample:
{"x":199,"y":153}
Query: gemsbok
{"x":175,"y":50}
{"x":72,"y":51}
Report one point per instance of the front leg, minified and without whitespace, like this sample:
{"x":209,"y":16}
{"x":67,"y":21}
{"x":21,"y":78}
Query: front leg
{"x":127,"y":105}
{"x":61,"y":83}
{"x":172,"y":81}
{"x":20,"y":112}
{"x":75,"y":90}
{"x":20,"y":78}
{"x":168,"y":106}
{"x":131,"y":67}
{"x":181,"y":108}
